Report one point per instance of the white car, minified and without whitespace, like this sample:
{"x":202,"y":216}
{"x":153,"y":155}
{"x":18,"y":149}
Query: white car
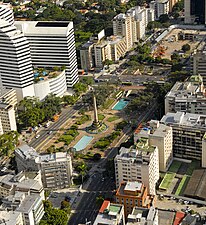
{"x":37,"y":136}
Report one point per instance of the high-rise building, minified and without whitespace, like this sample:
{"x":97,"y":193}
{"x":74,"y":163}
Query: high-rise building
{"x":87,"y":61}
{"x":110,"y":213}
{"x":188,"y":96}
{"x":163,"y":7}
{"x":122,"y":26}
{"x":188,"y":132}
{"x":132,"y":194}
{"x":140,"y":164}
{"x":159,"y":135}
{"x":59,"y":163}
{"x":195,"y":11}
{"x":6,"y":12}
{"x":52,"y":44}
{"x":15,"y":61}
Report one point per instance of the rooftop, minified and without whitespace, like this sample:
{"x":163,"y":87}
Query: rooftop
{"x":133,"y":186}
{"x":28,"y":203}
{"x":10,"y":217}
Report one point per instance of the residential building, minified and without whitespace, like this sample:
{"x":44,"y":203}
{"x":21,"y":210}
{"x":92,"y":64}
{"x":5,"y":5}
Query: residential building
{"x":30,"y":206}
{"x":56,"y":168}
{"x":22,"y":182}
{"x":189,"y":96}
{"x":52,"y":44}
{"x":15,"y":55}
{"x":117,"y":47}
{"x":162,"y":7}
{"x":8,"y":118}
{"x":122,"y":26}
{"x":188,"y":132}
{"x":52,"y":83}
{"x":110,"y":214}
{"x":131,"y":194}
{"x":6,"y":12}
{"x":159,"y":135}
{"x":195,"y":11}
{"x":102,"y":53}
{"x":143,"y":216}
{"x":11,"y":218}
{"x":8,"y":96}
{"x":198,"y":61}
{"x":203,"y":151}
{"x":138,"y":163}
{"x":172,"y":3}
{"x":87,"y":61}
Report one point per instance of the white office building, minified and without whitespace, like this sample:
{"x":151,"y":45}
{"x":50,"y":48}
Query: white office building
{"x":6,"y":12}
{"x":52,"y":44}
{"x":15,"y":62}
{"x":138,"y":164}
{"x":189,"y":96}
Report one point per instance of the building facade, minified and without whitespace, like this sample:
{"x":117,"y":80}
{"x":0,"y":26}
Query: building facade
{"x":56,"y":169}
{"x":162,"y":7}
{"x":195,"y":11}
{"x":138,"y":164}
{"x":6,"y":12}
{"x":188,"y":132}
{"x":52,"y":44}
{"x":187,"y":96}
{"x":132,"y":194}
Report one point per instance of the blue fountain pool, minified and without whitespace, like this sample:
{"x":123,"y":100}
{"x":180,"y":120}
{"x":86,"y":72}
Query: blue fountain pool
{"x":121,"y":104}
{"x":83,"y":142}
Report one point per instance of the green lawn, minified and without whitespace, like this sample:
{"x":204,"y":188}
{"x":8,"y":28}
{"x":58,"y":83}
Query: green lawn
{"x":113,"y":118}
{"x":83,"y":119}
{"x":164,"y":185}
{"x":182,"y":185}
{"x":175,"y":166}
{"x":192,"y":166}
{"x":101,"y":116}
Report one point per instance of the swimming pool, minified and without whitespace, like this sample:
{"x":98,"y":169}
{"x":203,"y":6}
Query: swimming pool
{"x":83,"y":142}
{"x":121,"y":104}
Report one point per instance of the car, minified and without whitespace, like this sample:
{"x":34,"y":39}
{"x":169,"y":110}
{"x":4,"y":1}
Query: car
{"x":37,"y":136}
{"x":49,"y":132}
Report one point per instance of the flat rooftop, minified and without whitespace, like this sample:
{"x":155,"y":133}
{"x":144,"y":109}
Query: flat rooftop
{"x":52,"y":24}
{"x":133,"y":186}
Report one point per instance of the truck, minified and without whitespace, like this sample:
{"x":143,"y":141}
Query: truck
{"x":55,"y":117}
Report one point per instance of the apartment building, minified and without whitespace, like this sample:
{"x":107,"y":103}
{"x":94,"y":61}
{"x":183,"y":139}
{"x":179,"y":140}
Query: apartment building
{"x":140,"y":216}
{"x":15,"y":61}
{"x":8,"y":118}
{"x":102,"y":52}
{"x":203,"y":151}
{"x":56,"y":168}
{"x":198,"y":61}
{"x":30,"y":206}
{"x":86,"y":58}
{"x":117,"y":47}
{"x":138,"y":163}
{"x":163,"y":7}
{"x":22,"y":182}
{"x":189,"y":96}
{"x":110,"y":214}
{"x":122,"y":26}
{"x":52,"y":44}
{"x":131,"y":194}
{"x":6,"y":12}
{"x":11,"y":218}
{"x":8,"y":96}
{"x":188,"y":132}
{"x":159,"y":135}
{"x":195,"y":11}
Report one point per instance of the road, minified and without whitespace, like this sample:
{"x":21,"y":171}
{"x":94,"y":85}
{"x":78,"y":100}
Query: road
{"x":44,"y":133}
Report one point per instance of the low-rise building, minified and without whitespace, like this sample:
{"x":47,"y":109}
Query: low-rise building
{"x":138,"y":163}
{"x":188,"y":133}
{"x":56,"y":168}
{"x":110,"y":214}
{"x":11,"y":218}
{"x":189,"y":96}
{"x":132,"y":194}
{"x":143,"y":216}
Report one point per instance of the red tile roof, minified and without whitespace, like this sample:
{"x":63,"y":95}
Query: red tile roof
{"x":104,"y":206}
{"x":178,"y":218}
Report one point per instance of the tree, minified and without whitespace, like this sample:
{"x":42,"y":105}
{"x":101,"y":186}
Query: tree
{"x":65,"y":205}
{"x":164,"y":18}
{"x":97,"y":157}
{"x":99,"y":200}
{"x":80,"y":88}
{"x":186,"y":48}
